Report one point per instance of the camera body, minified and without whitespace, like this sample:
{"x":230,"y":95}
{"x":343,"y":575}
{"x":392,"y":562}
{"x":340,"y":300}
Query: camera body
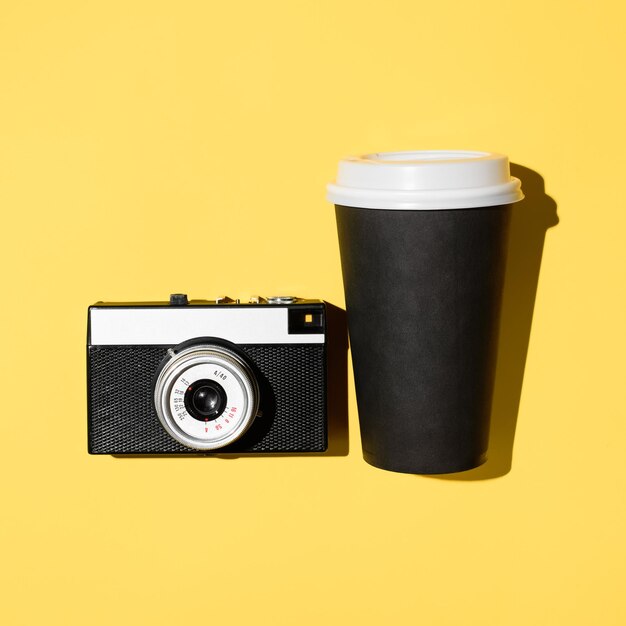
{"x":206,"y":377}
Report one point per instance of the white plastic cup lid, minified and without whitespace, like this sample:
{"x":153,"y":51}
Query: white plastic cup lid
{"x":425,"y":179}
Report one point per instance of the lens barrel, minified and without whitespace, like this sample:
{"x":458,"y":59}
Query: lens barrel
{"x":206,"y":395}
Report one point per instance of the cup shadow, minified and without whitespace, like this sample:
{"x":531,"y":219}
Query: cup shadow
{"x":530,"y":220}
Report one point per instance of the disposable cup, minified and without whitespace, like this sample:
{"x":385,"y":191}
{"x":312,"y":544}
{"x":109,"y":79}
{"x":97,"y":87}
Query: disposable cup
{"x":423,"y":239}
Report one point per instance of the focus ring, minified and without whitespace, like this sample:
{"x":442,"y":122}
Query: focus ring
{"x":191,"y":364}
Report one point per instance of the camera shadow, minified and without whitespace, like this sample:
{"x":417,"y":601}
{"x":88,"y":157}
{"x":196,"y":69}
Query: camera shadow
{"x":337,"y":381}
{"x":530,"y":220}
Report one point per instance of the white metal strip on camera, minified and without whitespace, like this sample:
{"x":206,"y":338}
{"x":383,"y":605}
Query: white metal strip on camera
{"x":112,"y":326}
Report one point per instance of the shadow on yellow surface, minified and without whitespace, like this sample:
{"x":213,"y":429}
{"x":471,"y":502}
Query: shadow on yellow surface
{"x":530,"y":220}
{"x":337,"y":381}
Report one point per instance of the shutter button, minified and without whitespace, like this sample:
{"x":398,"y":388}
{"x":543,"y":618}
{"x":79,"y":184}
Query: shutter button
{"x":178,"y":299}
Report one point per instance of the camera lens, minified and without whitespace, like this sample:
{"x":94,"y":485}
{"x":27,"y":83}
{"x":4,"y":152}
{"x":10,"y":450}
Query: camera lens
{"x":205,"y":400}
{"x":206,"y":395}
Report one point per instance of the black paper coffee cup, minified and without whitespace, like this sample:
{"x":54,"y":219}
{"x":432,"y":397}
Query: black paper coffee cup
{"x":423,"y":239}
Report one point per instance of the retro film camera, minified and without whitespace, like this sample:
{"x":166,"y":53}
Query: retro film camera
{"x":201,"y":377}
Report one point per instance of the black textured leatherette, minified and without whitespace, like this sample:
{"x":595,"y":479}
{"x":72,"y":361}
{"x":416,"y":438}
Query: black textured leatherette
{"x":122,"y":419}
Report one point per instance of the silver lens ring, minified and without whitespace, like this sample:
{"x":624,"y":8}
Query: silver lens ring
{"x":220,"y":366}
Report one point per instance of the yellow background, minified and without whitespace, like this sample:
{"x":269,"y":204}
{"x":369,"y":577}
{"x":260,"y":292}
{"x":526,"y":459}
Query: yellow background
{"x":152,"y":147}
